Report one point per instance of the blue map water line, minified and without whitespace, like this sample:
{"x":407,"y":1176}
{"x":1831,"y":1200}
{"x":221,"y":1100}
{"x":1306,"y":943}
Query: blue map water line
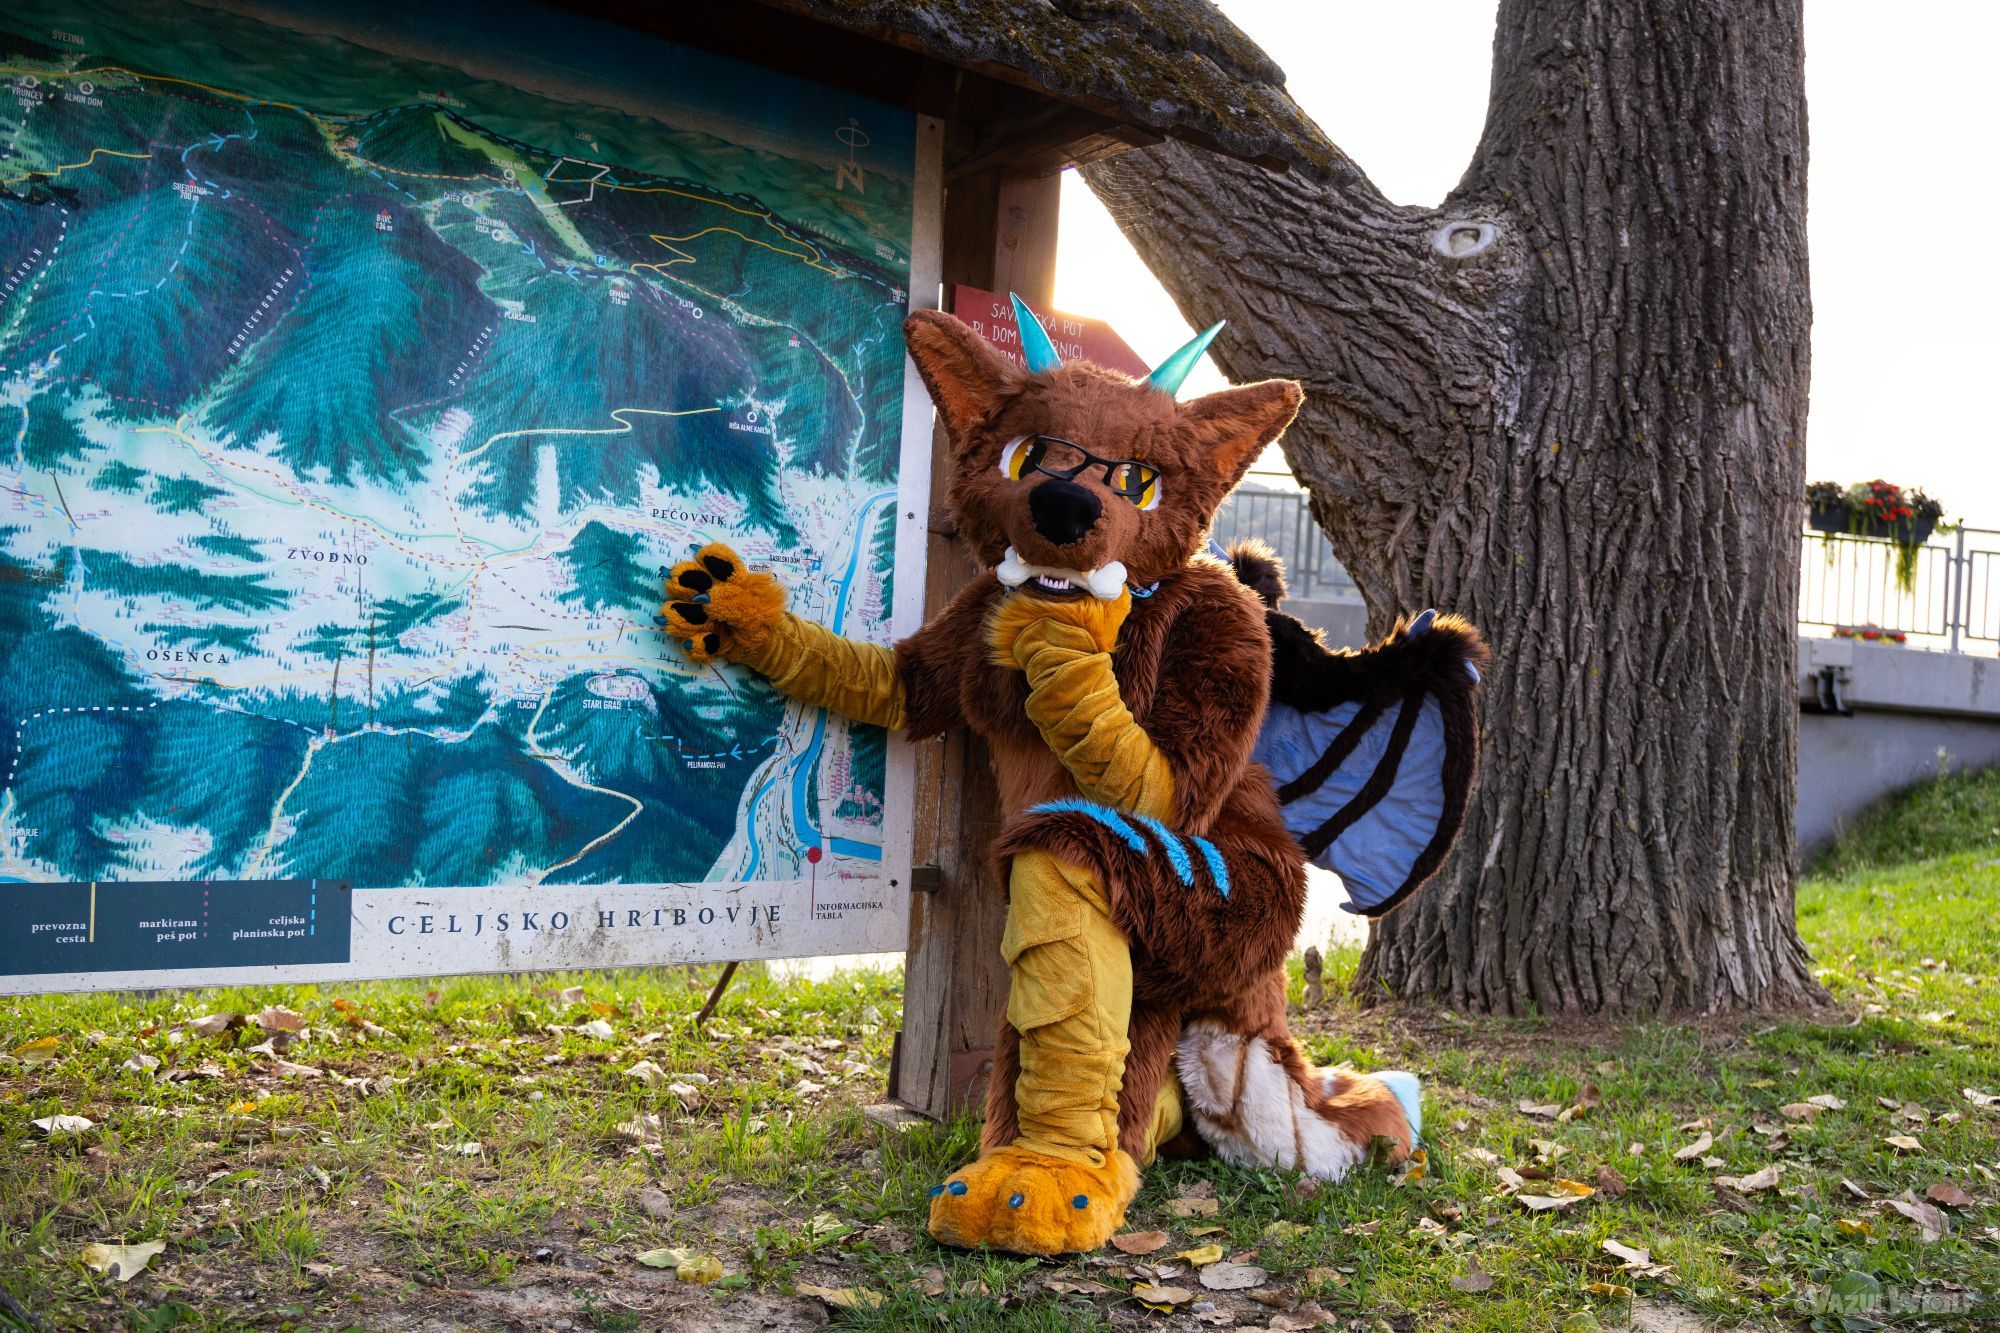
{"x":802,"y":768}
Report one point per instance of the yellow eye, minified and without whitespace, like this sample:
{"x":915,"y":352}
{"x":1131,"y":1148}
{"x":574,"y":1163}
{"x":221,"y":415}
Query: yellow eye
{"x":1136,"y":482}
{"x":1020,"y":456}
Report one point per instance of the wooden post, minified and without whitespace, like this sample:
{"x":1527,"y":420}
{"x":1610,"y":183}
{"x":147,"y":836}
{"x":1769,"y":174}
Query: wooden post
{"x":1000,"y":235}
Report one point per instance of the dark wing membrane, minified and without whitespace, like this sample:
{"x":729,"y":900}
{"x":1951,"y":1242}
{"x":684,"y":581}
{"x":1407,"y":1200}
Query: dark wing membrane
{"x":1373,"y":752}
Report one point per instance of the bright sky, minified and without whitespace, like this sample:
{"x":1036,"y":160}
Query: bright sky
{"x":1906,"y":290}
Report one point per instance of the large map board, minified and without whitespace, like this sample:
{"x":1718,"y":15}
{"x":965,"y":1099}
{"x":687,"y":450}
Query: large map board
{"x":361,"y":368}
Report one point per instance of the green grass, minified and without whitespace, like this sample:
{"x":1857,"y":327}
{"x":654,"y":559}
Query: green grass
{"x":320,"y":1202}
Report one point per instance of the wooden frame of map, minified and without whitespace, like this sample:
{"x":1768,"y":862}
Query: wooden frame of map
{"x":361,"y":371}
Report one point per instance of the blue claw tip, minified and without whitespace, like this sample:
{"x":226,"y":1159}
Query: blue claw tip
{"x":956,"y":1187}
{"x":1016,"y":1200}
{"x":659,"y":620}
{"x":1080,"y":1201}
{"x":936,"y":1190}
{"x":1422,"y":624}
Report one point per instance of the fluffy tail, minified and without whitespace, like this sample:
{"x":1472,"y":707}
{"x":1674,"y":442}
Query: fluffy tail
{"x":1258,"y":1103}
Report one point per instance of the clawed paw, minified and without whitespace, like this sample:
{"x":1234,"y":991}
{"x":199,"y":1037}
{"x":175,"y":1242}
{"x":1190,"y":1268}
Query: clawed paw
{"x":717,"y":607}
{"x":1022,"y":1201}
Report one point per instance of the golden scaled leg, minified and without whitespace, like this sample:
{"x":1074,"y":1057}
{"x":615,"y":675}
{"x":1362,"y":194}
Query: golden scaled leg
{"x":1063,"y":1185}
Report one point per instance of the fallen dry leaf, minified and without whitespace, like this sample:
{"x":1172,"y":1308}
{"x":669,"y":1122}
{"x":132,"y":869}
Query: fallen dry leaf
{"x":1829,"y":1101}
{"x":1978,"y":1098}
{"x":1541,"y":1111}
{"x":702,"y":1269}
{"x":1075,"y":1286}
{"x":1201,"y":1254}
{"x":1367,"y":1228}
{"x":1637,"y":1262}
{"x":841,"y":1298}
{"x":52,"y":1125}
{"x":648,"y":1073}
{"x":1850,"y":1226}
{"x":214,"y":1025}
{"x":1930,"y":1222}
{"x":1799,"y":1110}
{"x":1903,"y":1143}
{"x":1140,"y":1242}
{"x":597,"y":1028}
{"x":38,"y":1051}
{"x":1189,"y":1206}
{"x":1233,"y":1277}
{"x":1610,"y":1183}
{"x":1855,"y":1189}
{"x":662,"y":1258}
{"x":1161,"y":1298}
{"x":1309,"y":1315}
{"x":1283,"y":1231}
{"x":1695,"y":1149}
{"x":141,"y":1062}
{"x":1754,"y":1183}
{"x":570,"y":995}
{"x":1610,"y":1289}
{"x":121,"y":1263}
{"x":1948,"y":1193}
{"x":286,"y":1069}
{"x":1543,"y":1203}
{"x":273,"y":1018}
{"x":1474,"y":1278}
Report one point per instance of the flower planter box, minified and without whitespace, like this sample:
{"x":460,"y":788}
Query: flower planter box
{"x":1841,"y":521}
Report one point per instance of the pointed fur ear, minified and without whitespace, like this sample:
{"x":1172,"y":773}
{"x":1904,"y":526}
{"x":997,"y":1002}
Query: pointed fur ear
{"x":1234,"y":425}
{"x":966,"y":377}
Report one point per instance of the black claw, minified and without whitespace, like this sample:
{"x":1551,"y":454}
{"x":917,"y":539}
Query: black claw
{"x":688,"y":611}
{"x":717,"y":566}
{"x":711,"y":644}
{"x":695,"y":581}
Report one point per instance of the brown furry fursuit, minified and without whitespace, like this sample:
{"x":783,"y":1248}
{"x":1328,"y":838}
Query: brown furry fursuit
{"x":1170,"y":750}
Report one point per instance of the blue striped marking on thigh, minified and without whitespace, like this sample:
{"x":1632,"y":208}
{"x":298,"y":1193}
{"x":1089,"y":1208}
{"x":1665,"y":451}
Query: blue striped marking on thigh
{"x":1171,"y":843}
{"x":1216,"y":870}
{"x":1103,"y":814}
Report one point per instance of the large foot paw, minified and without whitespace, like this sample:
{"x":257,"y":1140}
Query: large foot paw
{"x":1019,"y":1200}
{"x":717,"y":608}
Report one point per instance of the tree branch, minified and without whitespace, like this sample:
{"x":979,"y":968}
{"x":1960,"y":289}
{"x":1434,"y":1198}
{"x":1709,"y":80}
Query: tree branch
{"x":1399,"y":345}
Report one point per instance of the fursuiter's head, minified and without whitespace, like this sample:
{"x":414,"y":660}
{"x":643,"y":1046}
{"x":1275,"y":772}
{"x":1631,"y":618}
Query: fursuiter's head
{"x":1073,"y":480}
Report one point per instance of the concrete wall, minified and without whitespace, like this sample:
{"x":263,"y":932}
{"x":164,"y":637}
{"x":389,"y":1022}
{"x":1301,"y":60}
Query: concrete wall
{"x":1915,"y":714}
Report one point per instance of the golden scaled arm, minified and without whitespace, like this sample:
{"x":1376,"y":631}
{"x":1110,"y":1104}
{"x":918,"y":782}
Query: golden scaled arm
{"x":717,"y":608}
{"x":1064,"y":649}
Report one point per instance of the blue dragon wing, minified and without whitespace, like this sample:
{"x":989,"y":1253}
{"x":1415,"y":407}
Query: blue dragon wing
{"x":1374,"y":752}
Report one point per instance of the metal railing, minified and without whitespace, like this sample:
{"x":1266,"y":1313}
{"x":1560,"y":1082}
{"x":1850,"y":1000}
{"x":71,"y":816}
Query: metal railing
{"x":1953,"y":599}
{"x":1276,"y":512}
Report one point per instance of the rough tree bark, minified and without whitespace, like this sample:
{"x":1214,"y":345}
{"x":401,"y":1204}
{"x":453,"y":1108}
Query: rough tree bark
{"x":1570,"y":404}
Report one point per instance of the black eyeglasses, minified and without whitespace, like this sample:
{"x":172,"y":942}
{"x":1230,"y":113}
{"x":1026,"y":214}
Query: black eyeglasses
{"x":1066,"y":459}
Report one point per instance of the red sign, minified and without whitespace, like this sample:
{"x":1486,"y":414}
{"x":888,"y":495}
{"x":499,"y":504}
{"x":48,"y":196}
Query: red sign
{"x":991,"y":316}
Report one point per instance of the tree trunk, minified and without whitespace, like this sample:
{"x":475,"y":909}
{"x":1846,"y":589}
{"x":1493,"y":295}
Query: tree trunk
{"x":1569,"y":404}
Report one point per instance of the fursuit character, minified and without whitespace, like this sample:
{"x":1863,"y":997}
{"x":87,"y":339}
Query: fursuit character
{"x":1121,"y":678}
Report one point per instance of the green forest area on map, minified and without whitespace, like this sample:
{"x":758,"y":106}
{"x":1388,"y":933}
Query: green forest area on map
{"x":350,"y":407}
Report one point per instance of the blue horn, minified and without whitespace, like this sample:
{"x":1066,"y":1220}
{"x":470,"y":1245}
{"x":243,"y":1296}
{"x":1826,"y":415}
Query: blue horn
{"x":1170,"y":372}
{"x":1035,"y":344}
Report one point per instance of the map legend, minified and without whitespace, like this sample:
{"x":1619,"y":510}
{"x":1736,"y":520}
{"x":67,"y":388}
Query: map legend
{"x":137,"y":926}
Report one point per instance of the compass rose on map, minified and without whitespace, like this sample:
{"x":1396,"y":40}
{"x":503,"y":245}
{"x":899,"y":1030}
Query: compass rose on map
{"x":856,"y":139}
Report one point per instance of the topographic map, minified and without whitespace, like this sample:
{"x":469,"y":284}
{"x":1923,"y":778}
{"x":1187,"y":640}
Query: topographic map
{"x":351,"y":404}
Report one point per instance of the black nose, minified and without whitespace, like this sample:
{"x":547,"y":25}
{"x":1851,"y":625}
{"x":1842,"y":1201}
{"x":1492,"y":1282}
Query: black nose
{"x":1063,"y":511}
